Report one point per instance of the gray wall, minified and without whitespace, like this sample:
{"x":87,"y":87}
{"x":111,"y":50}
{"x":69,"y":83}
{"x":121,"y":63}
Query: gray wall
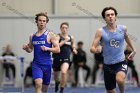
{"x":16,"y":31}
{"x":66,"y":7}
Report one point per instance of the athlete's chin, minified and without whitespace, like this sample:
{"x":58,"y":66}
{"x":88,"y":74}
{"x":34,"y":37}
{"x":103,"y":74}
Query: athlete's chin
{"x":41,"y":27}
{"x":111,"y":23}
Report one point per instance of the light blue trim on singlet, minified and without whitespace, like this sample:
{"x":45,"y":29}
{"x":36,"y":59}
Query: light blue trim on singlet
{"x":113,"y":45}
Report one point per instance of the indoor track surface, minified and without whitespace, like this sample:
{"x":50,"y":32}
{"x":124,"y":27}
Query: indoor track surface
{"x":69,"y":90}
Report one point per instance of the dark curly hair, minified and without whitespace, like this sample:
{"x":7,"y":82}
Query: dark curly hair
{"x":108,"y":8}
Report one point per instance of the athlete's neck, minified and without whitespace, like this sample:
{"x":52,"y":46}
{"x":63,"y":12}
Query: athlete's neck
{"x":41,"y":31}
{"x":64,"y":35}
{"x":112,"y":27}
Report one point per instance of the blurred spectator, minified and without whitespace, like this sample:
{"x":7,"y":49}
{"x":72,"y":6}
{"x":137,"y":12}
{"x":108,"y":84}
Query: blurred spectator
{"x":98,"y":59}
{"x":9,"y":62}
{"x":28,"y":76}
{"x":131,"y":65}
{"x":80,"y":60}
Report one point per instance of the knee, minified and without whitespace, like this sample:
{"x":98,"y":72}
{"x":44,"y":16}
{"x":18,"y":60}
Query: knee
{"x":38,"y":85}
{"x":63,"y":72}
{"x":120,"y":79}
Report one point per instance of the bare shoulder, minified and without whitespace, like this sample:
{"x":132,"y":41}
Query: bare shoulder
{"x":52,"y":34}
{"x":53,"y":37}
{"x":99,"y":31}
{"x":31,"y":35}
{"x":125,"y":28}
{"x":72,"y":36}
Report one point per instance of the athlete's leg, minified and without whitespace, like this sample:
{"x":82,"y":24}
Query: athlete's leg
{"x":121,"y":75}
{"x":45,"y":88}
{"x":38,"y":85}
{"x":120,"y":78}
{"x":47,"y":71}
{"x":109,"y":79}
{"x":56,"y":76}
{"x":56,"y":73}
{"x":37,"y":76}
{"x":71,"y":77}
{"x":64,"y":69}
{"x":57,"y":80}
